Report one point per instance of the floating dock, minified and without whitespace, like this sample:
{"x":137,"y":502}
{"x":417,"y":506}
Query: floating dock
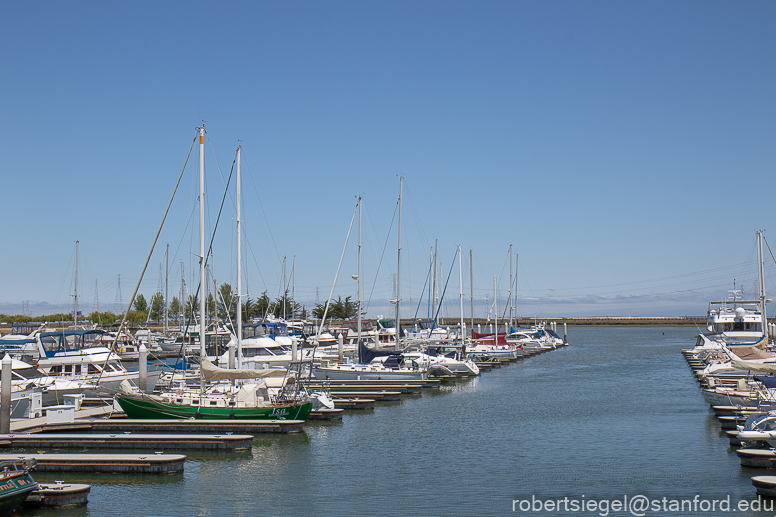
{"x":57,"y":494}
{"x":129,"y":441}
{"x":382,"y":396}
{"x":354,"y":403}
{"x":760,"y":458}
{"x":326,"y":414}
{"x":219,"y":427}
{"x":765,"y":485}
{"x":104,"y":463}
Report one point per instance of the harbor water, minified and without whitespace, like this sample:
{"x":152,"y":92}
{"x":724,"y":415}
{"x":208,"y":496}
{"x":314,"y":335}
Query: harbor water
{"x":616,"y":415}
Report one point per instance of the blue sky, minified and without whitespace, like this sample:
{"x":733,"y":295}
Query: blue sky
{"x":625,"y":149}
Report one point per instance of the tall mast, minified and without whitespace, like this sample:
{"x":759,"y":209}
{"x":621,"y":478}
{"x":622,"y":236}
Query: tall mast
{"x":284,"y":287}
{"x":517,"y":258}
{"x":183,"y":297}
{"x":358,"y":302}
{"x":433,"y":283}
{"x":460,"y":290}
{"x":761,"y":274}
{"x":239,"y":263}
{"x":495,"y":309}
{"x":166,"y":285}
{"x":293,"y":286}
{"x":398,"y":269}
{"x":510,"y":286}
{"x":202,"y":279}
{"x":75,"y":295}
{"x":471,"y":287}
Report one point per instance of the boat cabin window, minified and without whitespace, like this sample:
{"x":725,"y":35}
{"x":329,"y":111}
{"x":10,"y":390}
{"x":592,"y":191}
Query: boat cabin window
{"x":93,"y":369}
{"x":69,"y":340}
{"x":255,"y":330}
{"x":57,"y":368}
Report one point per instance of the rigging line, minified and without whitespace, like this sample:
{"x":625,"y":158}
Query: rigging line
{"x":498,"y":285}
{"x":422,"y":292}
{"x":683,"y":275}
{"x":256,"y":262}
{"x":414,"y":209}
{"x":439,"y":308}
{"x":331,"y":293}
{"x":58,"y":299}
{"x":217,"y":164}
{"x":385,"y":246}
{"x":769,"y":249}
{"x":145,"y":266}
{"x":261,"y":206}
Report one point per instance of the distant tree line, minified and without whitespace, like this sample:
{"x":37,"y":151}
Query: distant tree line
{"x":153,"y":311}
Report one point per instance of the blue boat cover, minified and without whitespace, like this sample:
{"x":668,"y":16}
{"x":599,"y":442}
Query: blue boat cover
{"x":769,"y":381}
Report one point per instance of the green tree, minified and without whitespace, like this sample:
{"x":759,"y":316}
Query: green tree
{"x":175,"y":308}
{"x":210,"y":307}
{"x":157,"y":306}
{"x":338,"y":310}
{"x":247,"y":309}
{"x":103,"y":318}
{"x":261,"y":307}
{"x":137,"y":316}
{"x":277,"y":307}
{"x":192,"y":309}
{"x":141,"y":304}
{"x":226,"y":295}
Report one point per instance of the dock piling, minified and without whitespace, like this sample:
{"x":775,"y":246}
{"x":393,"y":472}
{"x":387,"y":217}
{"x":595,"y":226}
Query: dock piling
{"x":142,"y":377}
{"x":5,"y":395}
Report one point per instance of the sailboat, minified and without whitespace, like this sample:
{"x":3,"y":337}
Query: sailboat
{"x":221,"y":400}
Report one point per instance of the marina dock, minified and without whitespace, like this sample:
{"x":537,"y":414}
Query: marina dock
{"x":128,"y":441}
{"x":220,"y":427}
{"x":104,"y":463}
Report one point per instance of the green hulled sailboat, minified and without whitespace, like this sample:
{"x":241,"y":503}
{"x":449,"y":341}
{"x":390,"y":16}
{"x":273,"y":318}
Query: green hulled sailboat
{"x":221,"y":401}
{"x":139,"y":406}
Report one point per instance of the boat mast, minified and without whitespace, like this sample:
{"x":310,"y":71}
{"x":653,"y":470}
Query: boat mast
{"x":510,"y":286}
{"x":202,"y":354}
{"x":75,"y":295}
{"x":495,"y":309}
{"x":471,"y":287}
{"x":183,"y":298}
{"x":460,"y":290}
{"x":166,"y":292}
{"x":761,"y":274}
{"x":517,"y":258}
{"x":239,"y":263}
{"x":433,"y":283}
{"x":358,"y":302}
{"x":398,"y":270}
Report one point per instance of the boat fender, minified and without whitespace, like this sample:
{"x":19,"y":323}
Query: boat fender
{"x":231,"y":415}
{"x":197,"y":415}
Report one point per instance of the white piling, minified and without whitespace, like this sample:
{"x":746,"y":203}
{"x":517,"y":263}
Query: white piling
{"x":232,"y":345}
{"x":5,"y":396}
{"x":340,"y":347}
{"x":293,"y":349}
{"x":565,"y":332}
{"x":142,"y":377}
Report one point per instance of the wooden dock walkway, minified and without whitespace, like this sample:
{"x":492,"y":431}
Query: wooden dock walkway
{"x":104,"y":463}
{"x":129,"y":441}
{"x":137,"y":425}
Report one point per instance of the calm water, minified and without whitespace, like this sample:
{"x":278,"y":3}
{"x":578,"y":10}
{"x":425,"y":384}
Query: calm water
{"x":617,"y":413}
